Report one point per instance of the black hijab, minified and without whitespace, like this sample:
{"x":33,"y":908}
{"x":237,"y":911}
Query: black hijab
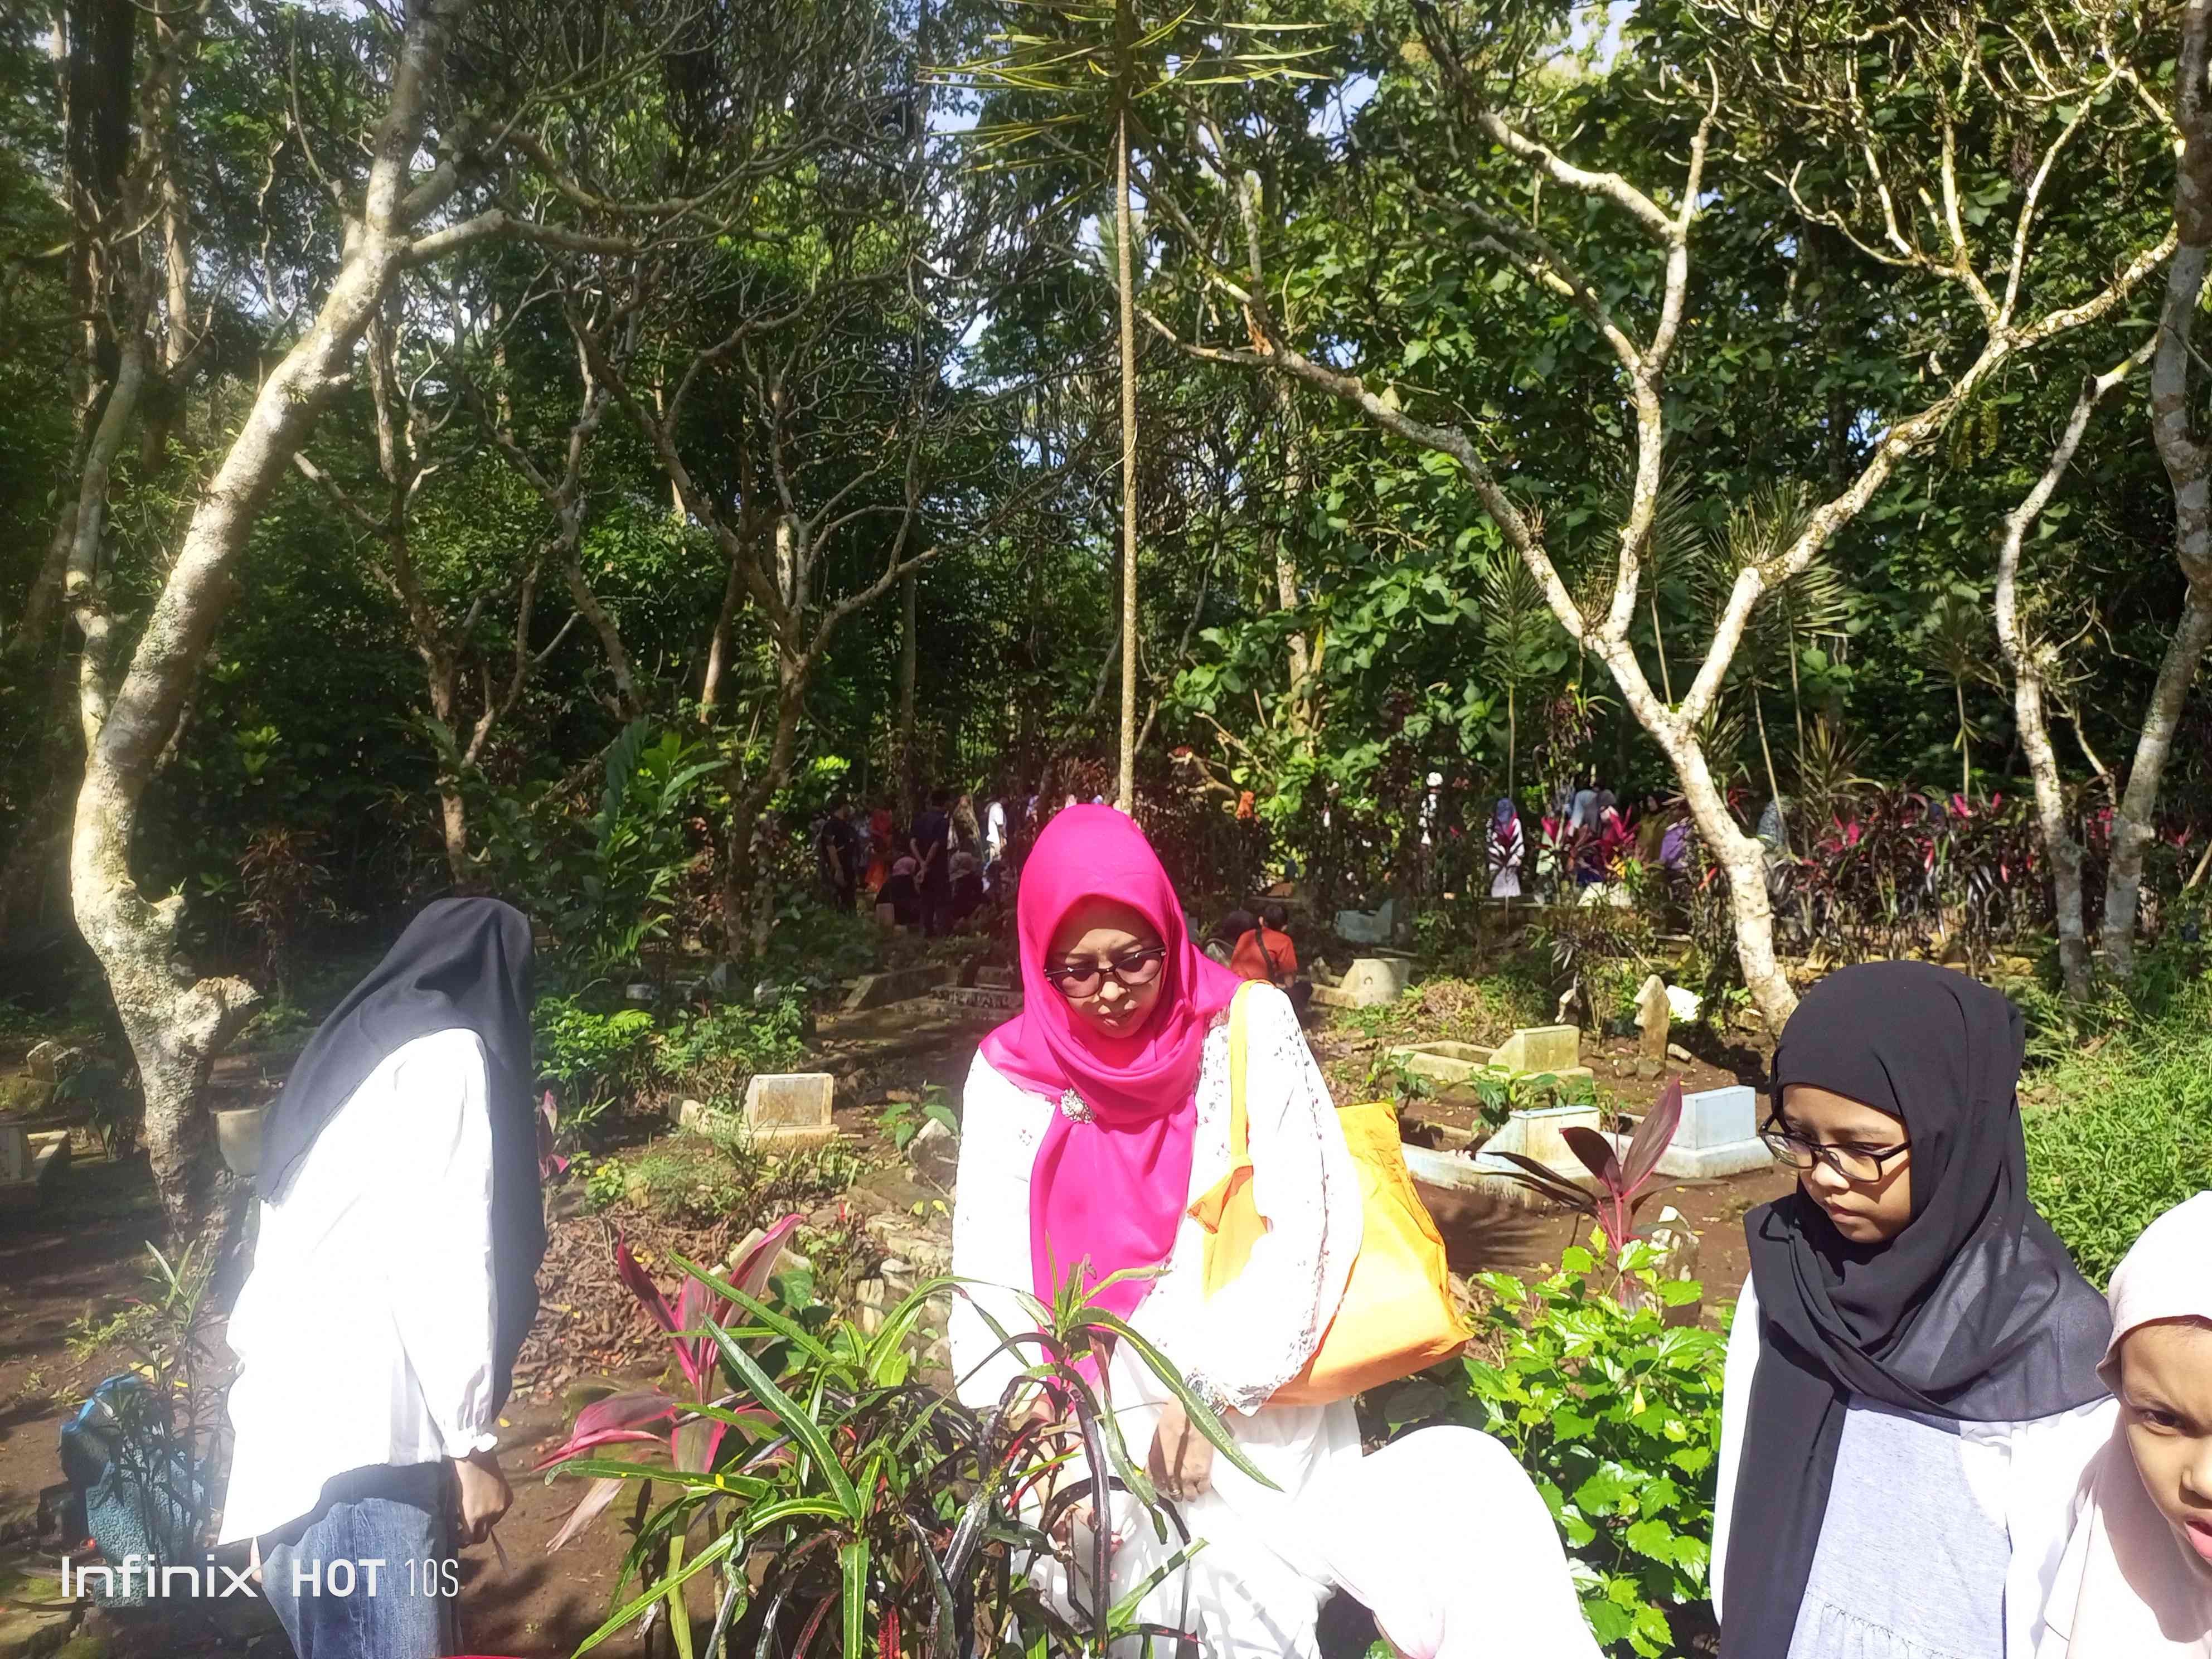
{"x":1973,"y":1312}
{"x":463,"y":963}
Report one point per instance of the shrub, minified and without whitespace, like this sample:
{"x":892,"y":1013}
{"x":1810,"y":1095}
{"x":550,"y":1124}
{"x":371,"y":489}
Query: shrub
{"x":2121,"y":1132}
{"x":716,"y":1051}
{"x":593,"y":1056}
{"x":706,"y":1180}
{"x":1616,"y":1416}
{"x":849,"y":1506}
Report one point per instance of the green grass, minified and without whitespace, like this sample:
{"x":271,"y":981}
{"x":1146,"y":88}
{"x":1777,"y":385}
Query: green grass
{"x":2119,"y":1130}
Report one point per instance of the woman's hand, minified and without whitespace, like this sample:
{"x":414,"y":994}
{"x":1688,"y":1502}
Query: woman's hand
{"x":484,"y":1494}
{"x":1181,"y":1459}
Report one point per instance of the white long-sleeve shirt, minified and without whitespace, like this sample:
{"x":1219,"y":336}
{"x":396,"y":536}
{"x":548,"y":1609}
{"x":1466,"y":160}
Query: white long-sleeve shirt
{"x":365,"y":1330}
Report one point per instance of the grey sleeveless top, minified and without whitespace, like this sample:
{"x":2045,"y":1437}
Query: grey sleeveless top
{"x":1910,"y":1564}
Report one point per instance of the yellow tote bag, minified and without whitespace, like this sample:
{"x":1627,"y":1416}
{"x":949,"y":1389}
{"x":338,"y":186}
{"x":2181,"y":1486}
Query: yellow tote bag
{"x":1397,"y":1315}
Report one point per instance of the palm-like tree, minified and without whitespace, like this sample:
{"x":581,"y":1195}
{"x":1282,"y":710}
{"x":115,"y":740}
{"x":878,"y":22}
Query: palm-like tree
{"x":1093,"y":58}
{"x":1811,"y":605}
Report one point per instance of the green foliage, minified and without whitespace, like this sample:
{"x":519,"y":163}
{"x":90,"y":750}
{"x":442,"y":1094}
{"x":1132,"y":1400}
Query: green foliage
{"x":594,"y":1056}
{"x":1504,"y":1092}
{"x":1616,"y":1415}
{"x":903,"y":1120}
{"x":604,"y":887}
{"x":112,"y":1104}
{"x":605,"y":1181}
{"x":711,"y":1179}
{"x":713,"y":1052}
{"x":169,"y":1336}
{"x":2119,"y":1131}
{"x":850,"y":1496}
{"x":624,"y":884}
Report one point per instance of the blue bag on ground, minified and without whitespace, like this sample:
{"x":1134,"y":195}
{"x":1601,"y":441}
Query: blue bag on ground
{"x":141,"y":1495}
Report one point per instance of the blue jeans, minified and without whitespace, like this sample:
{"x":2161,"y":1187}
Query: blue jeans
{"x":333,"y":1603}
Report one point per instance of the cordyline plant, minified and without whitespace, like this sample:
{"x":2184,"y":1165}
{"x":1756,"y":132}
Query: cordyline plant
{"x":1622,"y":1176}
{"x":691,"y":1428}
{"x":856,"y":1510}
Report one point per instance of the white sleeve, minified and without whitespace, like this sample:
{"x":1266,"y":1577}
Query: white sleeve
{"x":2048,"y":1457}
{"x":437,"y":1203}
{"x":1742,"y":1363}
{"x":1260,"y":1329}
{"x":1000,"y":1127}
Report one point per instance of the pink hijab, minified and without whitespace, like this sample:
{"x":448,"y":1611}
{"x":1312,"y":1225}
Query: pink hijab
{"x":1110,"y":1184}
{"x":2127,"y":1587}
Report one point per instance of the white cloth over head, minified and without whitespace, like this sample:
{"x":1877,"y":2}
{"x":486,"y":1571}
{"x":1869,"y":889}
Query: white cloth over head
{"x":2128,"y":1589}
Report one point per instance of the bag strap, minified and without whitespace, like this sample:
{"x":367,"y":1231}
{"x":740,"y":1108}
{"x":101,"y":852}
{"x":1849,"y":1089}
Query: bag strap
{"x":1240,"y":1145}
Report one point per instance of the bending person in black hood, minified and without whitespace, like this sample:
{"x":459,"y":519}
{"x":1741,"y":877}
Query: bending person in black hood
{"x":394,"y":1279}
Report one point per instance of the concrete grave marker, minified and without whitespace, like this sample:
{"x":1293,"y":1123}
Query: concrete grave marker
{"x":1718,"y":1135}
{"x":783,"y":1110}
{"x":1368,"y":927}
{"x":898,"y":985}
{"x":1370,"y":983}
{"x":1538,"y":1134}
{"x":1653,"y":1016}
{"x":1554,"y":1049}
{"x":790,"y":1105}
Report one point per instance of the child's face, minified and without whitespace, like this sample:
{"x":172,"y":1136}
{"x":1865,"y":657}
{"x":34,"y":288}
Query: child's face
{"x":1873,"y":1205}
{"x":2165,"y":1398}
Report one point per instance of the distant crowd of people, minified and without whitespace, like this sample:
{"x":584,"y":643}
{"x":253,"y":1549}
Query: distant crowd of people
{"x":1588,"y":836}
{"x":936,"y":870}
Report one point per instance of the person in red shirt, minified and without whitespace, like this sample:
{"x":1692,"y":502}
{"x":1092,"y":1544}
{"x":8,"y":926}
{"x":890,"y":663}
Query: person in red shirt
{"x":1266,"y":953}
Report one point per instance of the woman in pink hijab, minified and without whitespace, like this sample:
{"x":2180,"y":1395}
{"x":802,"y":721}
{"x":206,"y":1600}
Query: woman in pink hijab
{"x":1092,"y":1120}
{"x":2135,"y":1582}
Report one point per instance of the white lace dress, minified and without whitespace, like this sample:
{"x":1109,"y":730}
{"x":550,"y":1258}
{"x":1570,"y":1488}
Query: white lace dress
{"x":1408,"y":1531}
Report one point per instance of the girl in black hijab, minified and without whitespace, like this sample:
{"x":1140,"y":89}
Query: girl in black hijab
{"x":1912,"y":1387}
{"x":394,"y":1279}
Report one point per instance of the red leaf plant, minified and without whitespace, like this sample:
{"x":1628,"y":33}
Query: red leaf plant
{"x":648,"y":1415}
{"x":1621,"y":1177}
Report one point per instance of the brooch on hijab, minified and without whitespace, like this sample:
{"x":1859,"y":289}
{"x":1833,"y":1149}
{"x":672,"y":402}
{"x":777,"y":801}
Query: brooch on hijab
{"x":1072,"y":1109}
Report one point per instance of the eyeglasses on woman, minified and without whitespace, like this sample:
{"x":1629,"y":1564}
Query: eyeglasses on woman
{"x":1075,"y":980}
{"x":1859,"y":1163}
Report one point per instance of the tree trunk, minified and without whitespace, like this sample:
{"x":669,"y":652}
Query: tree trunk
{"x":164,"y":408}
{"x":443,"y":675}
{"x":1966,"y":744}
{"x":748,"y":895}
{"x":177,"y":1023}
{"x":718,"y":648}
{"x":910,"y":655}
{"x":1283,"y":537}
{"x":1744,"y":861}
{"x":2028,"y":659}
{"x":1512,"y":741}
{"x":2188,"y":462}
{"x":628,"y":702}
{"x":84,"y":585}
{"x":453,"y":823}
{"x":2133,"y":823}
{"x":43,"y":602}
{"x":1773,"y":784}
{"x":1126,"y":787}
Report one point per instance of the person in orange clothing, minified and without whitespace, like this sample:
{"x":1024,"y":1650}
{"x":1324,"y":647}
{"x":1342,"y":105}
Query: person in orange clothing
{"x":1267,"y":953}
